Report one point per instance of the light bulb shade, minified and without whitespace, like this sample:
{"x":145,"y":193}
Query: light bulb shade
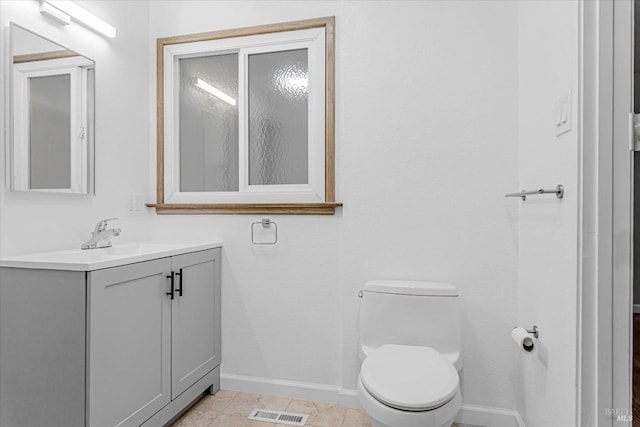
{"x":83,"y":16}
{"x":54,"y":13}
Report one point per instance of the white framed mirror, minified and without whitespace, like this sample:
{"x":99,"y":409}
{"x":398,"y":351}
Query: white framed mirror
{"x":51,"y":116}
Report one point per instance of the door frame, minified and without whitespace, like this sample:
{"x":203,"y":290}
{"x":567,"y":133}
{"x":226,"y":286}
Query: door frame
{"x":622,"y":230}
{"x":605,"y":295}
{"x":605,"y":331}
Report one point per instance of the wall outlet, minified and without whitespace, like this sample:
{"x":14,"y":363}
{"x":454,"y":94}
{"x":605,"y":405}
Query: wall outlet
{"x":135,"y":205}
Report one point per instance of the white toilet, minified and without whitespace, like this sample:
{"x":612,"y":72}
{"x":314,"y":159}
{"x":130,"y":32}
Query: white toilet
{"x":410,"y":348}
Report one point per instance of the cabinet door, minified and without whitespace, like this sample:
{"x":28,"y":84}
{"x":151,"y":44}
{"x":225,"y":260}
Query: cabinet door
{"x":195,"y":318}
{"x":129,"y":343}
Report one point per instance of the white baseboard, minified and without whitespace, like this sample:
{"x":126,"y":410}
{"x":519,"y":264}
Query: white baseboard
{"x":636,"y":308}
{"x":348,"y":399}
{"x":470,"y":414}
{"x":490,"y":417}
{"x":298,"y":390}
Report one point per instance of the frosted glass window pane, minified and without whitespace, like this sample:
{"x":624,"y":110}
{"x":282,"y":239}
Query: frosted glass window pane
{"x":209,"y":123}
{"x":50,"y":132}
{"x":278,"y":118}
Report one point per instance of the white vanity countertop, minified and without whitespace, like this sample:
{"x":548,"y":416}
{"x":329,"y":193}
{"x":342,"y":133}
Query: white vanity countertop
{"x":96,"y":259}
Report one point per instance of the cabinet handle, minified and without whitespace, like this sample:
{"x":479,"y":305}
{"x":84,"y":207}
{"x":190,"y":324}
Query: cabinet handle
{"x":172,"y":285}
{"x":180,"y":288}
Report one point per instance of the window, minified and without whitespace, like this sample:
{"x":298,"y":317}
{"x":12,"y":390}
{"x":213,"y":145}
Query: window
{"x":246,"y":120}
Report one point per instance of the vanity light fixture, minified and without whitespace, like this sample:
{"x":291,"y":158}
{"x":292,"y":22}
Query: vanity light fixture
{"x":215,"y":92}
{"x":54,"y":13}
{"x":79,"y":14}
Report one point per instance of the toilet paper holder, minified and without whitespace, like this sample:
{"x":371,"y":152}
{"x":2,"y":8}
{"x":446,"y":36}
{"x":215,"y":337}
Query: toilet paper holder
{"x":533,"y":331}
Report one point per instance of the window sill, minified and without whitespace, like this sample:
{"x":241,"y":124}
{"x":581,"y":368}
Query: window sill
{"x":246,"y":209}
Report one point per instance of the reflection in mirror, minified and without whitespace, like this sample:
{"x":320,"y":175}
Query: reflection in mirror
{"x":52,"y":116}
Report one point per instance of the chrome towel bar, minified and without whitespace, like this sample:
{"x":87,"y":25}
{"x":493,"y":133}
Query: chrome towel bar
{"x":558,"y":191}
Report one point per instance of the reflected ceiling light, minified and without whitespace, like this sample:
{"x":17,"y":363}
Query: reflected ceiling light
{"x":216,"y":92}
{"x":298,"y":82}
{"x":291,"y":79}
{"x":83,"y":16}
{"x":54,"y":13}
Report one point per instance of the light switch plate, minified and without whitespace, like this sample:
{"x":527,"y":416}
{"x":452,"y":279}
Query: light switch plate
{"x":563,"y":114}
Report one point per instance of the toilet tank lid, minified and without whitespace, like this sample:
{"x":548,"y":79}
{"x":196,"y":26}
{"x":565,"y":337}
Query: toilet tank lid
{"x":411,"y":287}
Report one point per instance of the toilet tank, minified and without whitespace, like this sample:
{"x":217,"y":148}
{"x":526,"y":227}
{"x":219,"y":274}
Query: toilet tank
{"x":410,"y":313}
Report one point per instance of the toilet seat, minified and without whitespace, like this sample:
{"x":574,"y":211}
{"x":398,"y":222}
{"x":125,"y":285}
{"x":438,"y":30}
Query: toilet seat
{"x":409,"y":378}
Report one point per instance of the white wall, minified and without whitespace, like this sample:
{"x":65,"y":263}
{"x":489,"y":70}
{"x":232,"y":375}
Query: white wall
{"x":426,"y":148}
{"x":548,"y":228}
{"x":37,"y":222}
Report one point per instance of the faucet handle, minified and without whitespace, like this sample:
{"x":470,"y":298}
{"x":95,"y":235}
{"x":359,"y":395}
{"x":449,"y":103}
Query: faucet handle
{"x":102,"y":224}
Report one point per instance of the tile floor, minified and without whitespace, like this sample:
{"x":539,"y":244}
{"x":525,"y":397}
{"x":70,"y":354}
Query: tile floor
{"x":231,"y":409}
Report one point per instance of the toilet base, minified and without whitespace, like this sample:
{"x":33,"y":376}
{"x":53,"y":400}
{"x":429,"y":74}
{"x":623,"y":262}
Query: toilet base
{"x":385,"y":416}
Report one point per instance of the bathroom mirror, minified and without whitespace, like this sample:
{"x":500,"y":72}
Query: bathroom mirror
{"x":51,"y":116}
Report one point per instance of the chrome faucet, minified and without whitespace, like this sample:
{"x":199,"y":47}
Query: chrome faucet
{"x":100,"y":236}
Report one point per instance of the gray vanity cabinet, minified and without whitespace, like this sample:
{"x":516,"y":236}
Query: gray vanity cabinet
{"x":111,"y":346}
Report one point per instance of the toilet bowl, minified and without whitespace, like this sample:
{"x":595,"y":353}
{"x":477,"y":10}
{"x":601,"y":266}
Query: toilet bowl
{"x":410,"y":348}
{"x":409,"y":386}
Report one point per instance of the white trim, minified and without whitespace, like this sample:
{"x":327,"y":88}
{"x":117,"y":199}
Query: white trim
{"x":233,"y":44}
{"x":171,"y":165}
{"x":83,"y":131}
{"x":271,"y":387}
{"x":6,"y":94}
{"x":19,"y":141}
{"x":243,"y":121}
{"x":590,"y":91}
{"x":317,"y":117}
{"x":582,"y":200}
{"x":469,"y":414}
{"x":236,"y":197}
{"x":491,"y":417}
{"x":622,"y":204}
{"x":606,"y":77}
{"x":349,"y":399}
{"x":76,"y":177}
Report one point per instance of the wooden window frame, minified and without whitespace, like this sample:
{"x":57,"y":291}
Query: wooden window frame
{"x":325,"y":208}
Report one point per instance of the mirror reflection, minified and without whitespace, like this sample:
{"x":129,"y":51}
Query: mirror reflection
{"x":52,"y":116}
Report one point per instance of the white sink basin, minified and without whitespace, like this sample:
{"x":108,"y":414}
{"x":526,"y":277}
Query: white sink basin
{"x":96,"y":259}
